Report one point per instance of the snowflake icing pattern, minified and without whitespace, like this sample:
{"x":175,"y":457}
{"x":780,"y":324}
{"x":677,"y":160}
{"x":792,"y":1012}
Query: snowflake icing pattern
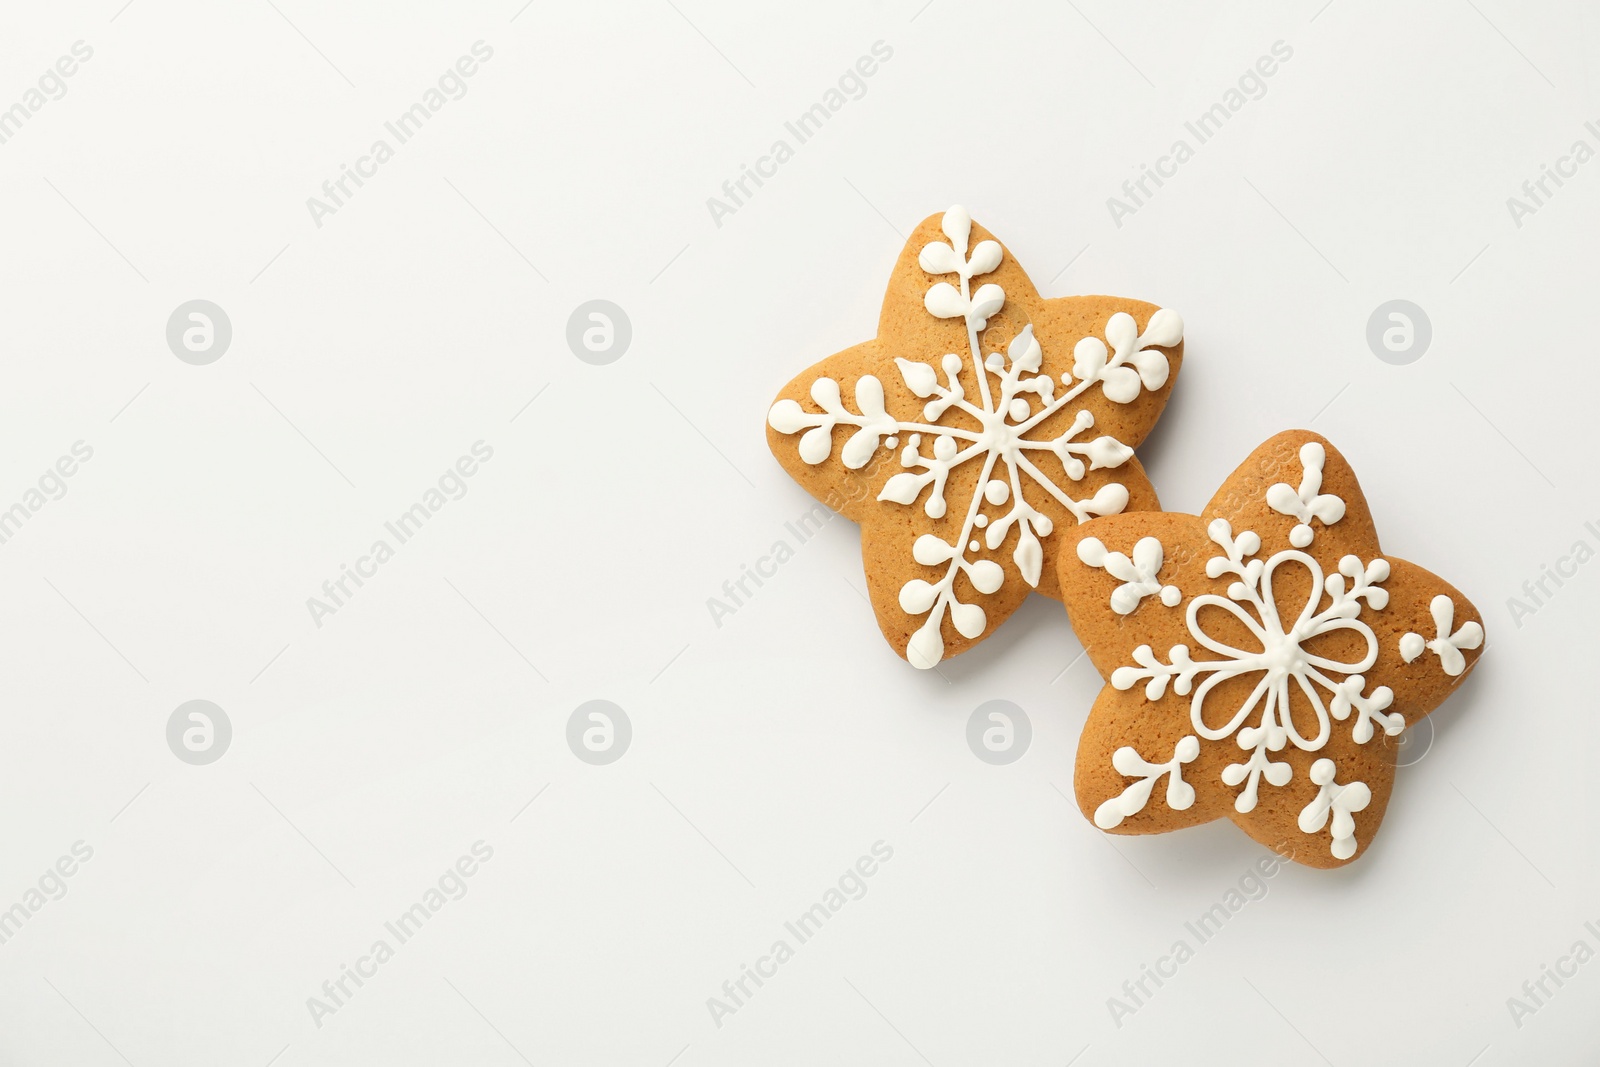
{"x":1279,"y":661}
{"x":1007,"y":410}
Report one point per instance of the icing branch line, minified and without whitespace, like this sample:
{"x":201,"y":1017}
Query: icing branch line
{"x":1132,"y":800}
{"x":927,"y":644}
{"x":1139,"y":572}
{"x":1449,"y":642}
{"x":1339,"y":801}
{"x":989,"y":408}
{"x":788,"y":417}
{"x":1054,"y":406}
{"x":1107,"y":506}
{"x":972,"y":343}
{"x":926,"y":647}
{"x":927,"y":384}
{"x":952,"y":431}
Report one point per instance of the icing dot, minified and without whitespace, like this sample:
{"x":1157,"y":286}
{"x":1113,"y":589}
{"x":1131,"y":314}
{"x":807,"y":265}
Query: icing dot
{"x":972,"y":546}
{"x":1170,"y":595}
{"x":996,"y":492}
{"x":892,"y":442}
{"x":1018,"y":410}
{"x":980,"y":521}
{"x":1300,"y":536}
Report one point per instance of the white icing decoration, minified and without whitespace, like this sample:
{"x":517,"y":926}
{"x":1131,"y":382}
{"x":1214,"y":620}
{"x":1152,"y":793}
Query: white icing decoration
{"x":1335,"y":603}
{"x":1132,"y":363}
{"x":1308,"y":503}
{"x":1138,"y":575}
{"x":1282,"y":659}
{"x":1447,"y":645}
{"x":1005,"y":412}
{"x":1341,"y":801}
{"x":1132,"y":800}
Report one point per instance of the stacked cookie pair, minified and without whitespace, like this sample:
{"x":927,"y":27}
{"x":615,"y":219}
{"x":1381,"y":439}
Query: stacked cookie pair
{"x":1262,"y":657}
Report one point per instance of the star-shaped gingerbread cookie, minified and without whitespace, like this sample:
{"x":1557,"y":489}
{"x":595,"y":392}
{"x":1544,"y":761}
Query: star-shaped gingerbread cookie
{"x":1262,"y":657}
{"x":980,"y":422}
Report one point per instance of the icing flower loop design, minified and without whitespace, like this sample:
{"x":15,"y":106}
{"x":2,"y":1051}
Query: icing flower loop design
{"x":1274,"y":698}
{"x":1276,"y":652}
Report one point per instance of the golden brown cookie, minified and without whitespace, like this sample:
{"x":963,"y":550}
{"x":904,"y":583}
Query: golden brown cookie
{"x":978,"y":424}
{"x":1262,"y":658}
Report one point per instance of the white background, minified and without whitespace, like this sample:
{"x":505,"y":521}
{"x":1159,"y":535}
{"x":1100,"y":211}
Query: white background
{"x":771,"y":752}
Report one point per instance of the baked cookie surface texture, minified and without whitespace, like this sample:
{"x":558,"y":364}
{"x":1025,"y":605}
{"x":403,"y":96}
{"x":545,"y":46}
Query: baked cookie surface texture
{"x":981,"y":422}
{"x":1262,"y":658}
